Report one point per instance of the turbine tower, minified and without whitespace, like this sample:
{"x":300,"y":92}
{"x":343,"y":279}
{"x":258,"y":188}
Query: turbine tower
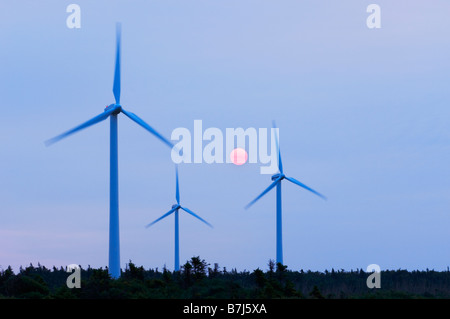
{"x":112,"y":111}
{"x":175,"y":208}
{"x":276,"y":181}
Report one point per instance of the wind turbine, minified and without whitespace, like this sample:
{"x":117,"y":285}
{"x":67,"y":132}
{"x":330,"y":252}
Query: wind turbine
{"x":277,"y":178}
{"x":175,"y":208}
{"x":112,"y":111}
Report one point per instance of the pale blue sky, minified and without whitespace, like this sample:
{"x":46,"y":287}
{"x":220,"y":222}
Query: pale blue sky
{"x":363,"y":116}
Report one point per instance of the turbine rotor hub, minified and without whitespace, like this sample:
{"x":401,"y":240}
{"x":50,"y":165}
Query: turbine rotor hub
{"x":175,"y":206}
{"x":118,"y":108}
{"x":277,"y":176}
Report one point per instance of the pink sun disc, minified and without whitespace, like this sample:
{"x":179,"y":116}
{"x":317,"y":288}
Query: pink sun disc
{"x":238,"y":156}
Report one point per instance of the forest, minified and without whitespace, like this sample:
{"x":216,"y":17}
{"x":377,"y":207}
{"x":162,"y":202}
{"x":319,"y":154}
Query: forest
{"x":197,"y":280}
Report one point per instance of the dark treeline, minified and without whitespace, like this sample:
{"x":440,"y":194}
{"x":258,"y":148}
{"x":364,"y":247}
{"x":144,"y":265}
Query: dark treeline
{"x":198,"y":280}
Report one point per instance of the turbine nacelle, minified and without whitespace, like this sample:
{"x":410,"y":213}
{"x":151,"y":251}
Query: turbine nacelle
{"x":113,"y":106}
{"x":176,"y":206}
{"x":277,"y":176}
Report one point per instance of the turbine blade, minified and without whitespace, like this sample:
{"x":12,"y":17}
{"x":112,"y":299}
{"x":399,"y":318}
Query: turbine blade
{"x":264,"y":192}
{"x":80,"y":127}
{"x":280,"y":163}
{"x":177,"y":191}
{"x":139,"y":121}
{"x":162,"y":217}
{"x":196,"y":216}
{"x":293,"y":180}
{"x":116,"y":85}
